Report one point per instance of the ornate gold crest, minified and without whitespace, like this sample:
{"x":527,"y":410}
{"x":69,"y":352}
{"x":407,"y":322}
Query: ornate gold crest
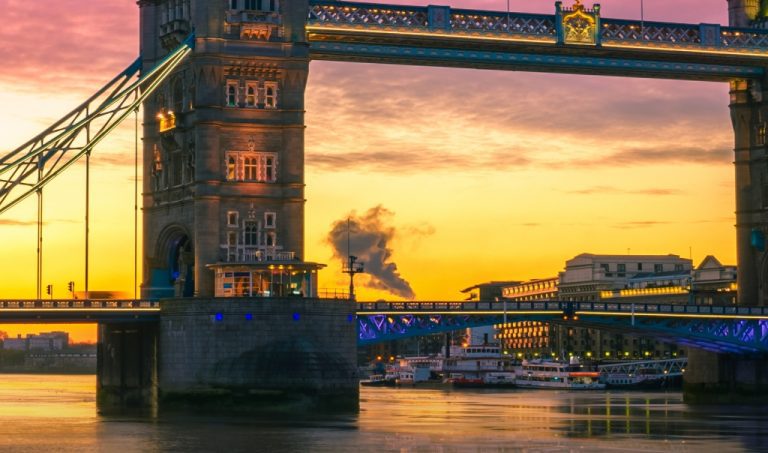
{"x":579,"y":26}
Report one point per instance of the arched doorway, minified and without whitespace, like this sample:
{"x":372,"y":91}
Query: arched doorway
{"x":173,"y":270}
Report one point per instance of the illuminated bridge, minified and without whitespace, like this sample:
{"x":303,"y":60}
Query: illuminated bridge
{"x":573,"y":40}
{"x":738,"y":330}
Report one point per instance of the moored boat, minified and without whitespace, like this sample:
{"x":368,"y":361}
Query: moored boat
{"x":556,"y":375}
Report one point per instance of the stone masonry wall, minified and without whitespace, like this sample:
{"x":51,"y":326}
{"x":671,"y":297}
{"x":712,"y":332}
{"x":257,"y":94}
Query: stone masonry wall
{"x":248,"y":348}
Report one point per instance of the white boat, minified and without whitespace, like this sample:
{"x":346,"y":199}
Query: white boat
{"x":556,"y":375}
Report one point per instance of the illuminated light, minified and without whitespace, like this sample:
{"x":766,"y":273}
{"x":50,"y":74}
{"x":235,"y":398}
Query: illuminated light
{"x":378,"y":357}
{"x":219,"y":317}
{"x":589,"y":354}
{"x":391,"y":359}
{"x":296,"y":316}
{"x":626,"y":353}
{"x":350,"y":318}
{"x":249,"y":317}
{"x":607,"y":354}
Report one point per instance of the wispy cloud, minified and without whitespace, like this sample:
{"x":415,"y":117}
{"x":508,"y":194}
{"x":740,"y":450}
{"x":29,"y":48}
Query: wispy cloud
{"x":610,"y":190}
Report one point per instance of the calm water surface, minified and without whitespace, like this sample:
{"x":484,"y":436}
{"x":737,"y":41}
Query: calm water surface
{"x":43,"y":413}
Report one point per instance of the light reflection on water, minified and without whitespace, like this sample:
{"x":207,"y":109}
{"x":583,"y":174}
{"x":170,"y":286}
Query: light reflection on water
{"x":58,"y":413}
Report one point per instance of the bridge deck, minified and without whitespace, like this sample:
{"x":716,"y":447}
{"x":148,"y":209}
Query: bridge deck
{"x":441,"y":36}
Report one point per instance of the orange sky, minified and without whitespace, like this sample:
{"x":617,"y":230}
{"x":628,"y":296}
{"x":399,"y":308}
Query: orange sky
{"x":488,"y":175}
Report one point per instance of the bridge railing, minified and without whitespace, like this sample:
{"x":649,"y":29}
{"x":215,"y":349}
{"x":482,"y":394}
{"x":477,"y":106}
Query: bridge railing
{"x":535,"y":27}
{"x":454,"y":306}
{"x":670,"y":309}
{"x":77,"y":304}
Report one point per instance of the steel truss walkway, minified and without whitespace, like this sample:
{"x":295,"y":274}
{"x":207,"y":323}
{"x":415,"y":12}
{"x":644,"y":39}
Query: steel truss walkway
{"x":442,"y":36}
{"x":668,"y":367}
{"x":733,"y":329}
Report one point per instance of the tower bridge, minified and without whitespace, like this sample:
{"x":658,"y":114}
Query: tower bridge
{"x":223,"y":183}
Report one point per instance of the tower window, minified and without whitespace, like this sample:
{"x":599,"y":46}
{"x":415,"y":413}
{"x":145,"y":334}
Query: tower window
{"x":250,"y":94}
{"x":231,"y":93}
{"x":250,"y":168}
{"x":231,"y":168}
{"x":269,"y":219}
{"x":270,"y":95}
{"x":269,"y":169}
{"x":232,"y":218}
{"x":251,"y":233}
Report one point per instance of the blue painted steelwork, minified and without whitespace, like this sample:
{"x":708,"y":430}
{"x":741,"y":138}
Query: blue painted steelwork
{"x":432,"y":35}
{"x":732,"y":329}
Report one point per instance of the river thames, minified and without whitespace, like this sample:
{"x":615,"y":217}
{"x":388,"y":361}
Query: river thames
{"x":44,"y":413}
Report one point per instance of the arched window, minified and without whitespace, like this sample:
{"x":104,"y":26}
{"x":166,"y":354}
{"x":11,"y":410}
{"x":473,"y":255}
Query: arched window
{"x":250,"y":168}
{"x":231,"y":93}
{"x":178,"y":96}
{"x":269,"y":169}
{"x":270,"y":95}
{"x":250,"y":95}
{"x":251,"y":234}
{"x":231,"y":168}
{"x":271,"y":239}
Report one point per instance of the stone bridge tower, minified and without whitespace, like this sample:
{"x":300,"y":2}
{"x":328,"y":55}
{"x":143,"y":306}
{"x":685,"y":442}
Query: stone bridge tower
{"x":749,"y":113}
{"x":223,"y":189}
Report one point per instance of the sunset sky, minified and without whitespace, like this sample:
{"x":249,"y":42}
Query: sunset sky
{"x":485,"y":175}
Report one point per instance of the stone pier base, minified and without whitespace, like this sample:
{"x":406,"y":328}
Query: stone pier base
{"x":725,"y":379}
{"x":258,"y":354}
{"x":127,"y":366}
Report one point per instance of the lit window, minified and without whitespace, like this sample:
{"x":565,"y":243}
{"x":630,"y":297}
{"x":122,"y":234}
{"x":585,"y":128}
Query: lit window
{"x":761,"y":133}
{"x":250,"y":94}
{"x":269,"y":219}
{"x":231,"y":93}
{"x":270,"y":95}
{"x":250,"y":168}
{"x":232,"y":246}
{"x":231,"y":168}
{"x":232,"y":218}
{"x":269,"y":169}
{"x":251,"y":233}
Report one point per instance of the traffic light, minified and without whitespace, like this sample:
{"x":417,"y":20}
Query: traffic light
{"x":71,"y":286}
{"x":48,"y":289}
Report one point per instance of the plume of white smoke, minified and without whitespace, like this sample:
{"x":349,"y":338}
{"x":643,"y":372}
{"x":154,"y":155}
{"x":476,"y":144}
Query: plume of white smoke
{"x":367,"y":237}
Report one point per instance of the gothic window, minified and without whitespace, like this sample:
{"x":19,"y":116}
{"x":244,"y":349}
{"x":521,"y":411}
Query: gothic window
{"x":270,"y":239}
{"x":250,"y":94}
{"x":231,"y":246}
{"x":270,"y":95}
{"x":269,"y":169}
{"x":176,"y":169}
{"x":250,"y":168}
{"x":231,"y":93}
{"x":178,"y":96}
{"x":231,"y":168}
{"x":761,"y":133}
{"x":251,"y":236}
{"x":232,"y":218}
{"x":269,"y":219}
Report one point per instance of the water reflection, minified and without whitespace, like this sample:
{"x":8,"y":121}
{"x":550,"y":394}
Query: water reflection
{"x":58,"y":413}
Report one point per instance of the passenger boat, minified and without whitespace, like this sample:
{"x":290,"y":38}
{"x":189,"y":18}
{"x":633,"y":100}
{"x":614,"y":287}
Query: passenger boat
{"x":495,"y":380}
{"x":556,"y":375}
{"x":645,"y":378}
{"x":379,"y":380}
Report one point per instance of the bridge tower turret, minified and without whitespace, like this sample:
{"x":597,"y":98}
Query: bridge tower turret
{"x":223,"y":187}
{"x":742,"y":12}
